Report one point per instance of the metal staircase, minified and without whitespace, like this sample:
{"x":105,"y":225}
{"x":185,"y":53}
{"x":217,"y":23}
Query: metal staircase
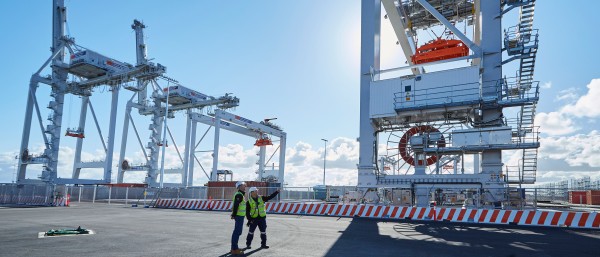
{"x":526,"y":17}
{"x":525,"y":124}
{"x":529,"y":166}
{"x":526,"y":67}
{"x":521,"y":42}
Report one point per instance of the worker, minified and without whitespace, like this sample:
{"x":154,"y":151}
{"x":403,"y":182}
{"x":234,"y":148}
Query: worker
{"x":256,"y":215}
{"x":238,"y":212}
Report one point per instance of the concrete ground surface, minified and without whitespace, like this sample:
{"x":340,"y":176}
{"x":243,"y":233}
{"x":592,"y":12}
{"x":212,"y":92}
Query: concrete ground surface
{"x":125,"y":231}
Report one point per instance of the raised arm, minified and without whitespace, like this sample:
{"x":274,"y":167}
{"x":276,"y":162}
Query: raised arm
{"x":267,"y":198}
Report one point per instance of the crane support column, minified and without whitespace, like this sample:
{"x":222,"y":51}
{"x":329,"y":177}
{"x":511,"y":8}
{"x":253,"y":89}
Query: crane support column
{"x":23,"y":152}
{"x":188,"y":146}
{"x":370,"y":50}
{"x":491,"y":45}
{"x":262,"y":151}
{"x":192,"y":152}
{"x":124,"y":142}
{"x":59,"y":86}
{"x":213,"y":173}
{"x":111,"y":135}
{"x":280,"y":176}
{"x":82,"y":117}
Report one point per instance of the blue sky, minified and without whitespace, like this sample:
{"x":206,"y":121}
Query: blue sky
{"x":294,"y":60}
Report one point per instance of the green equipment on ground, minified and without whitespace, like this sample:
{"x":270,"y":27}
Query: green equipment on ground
{"x":62,"y":232}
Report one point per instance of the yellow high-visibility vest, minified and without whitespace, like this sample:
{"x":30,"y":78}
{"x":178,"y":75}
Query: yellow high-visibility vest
{"x":241,"y":211}
{"x":257,"y":209}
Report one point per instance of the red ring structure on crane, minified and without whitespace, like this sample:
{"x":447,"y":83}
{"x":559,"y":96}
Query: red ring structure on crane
{"x":404,"y":141}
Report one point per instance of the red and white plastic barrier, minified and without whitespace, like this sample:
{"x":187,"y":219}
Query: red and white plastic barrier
{"x":62,"y":201}
{"x":517,"y":217}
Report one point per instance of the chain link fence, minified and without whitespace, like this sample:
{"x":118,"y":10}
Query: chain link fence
{"x":12,"y":194}
{"x":553,"y":197}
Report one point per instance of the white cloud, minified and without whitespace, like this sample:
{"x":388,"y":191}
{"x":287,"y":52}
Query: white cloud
{"x":561,"y":122}
{"x":304,"y":165}
{"x":235,"y":156}
{"x":301,"y":153}
{"x":512,"y":158}
{"x":341,"y":153}
{"x":555,"y":123}
{"x":587,"y":105}
{"x":547,"y":85}
{"x":8,"y":166}
{"x":569,"y":94}
{"x":577,"y":150}
{"x":554,"y":176}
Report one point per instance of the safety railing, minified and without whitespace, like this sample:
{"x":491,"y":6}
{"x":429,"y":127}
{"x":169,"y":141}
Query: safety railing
{"x":516,"y":39}
{"x":519,"y":137}
{"x":444,"y":96}
{"x":508,"y":91}
{"x":515,"y":88}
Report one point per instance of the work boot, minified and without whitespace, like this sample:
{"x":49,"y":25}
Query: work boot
{"x":264,"y":246}
{"x":237,"y":252}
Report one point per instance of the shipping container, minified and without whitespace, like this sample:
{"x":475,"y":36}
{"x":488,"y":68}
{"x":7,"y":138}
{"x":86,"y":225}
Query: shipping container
{"x":593,"y":197}
{"x":126,"y":185}
{"x":578,"y":197}
{"x":320,"y":192}
{"x":225,"y":190}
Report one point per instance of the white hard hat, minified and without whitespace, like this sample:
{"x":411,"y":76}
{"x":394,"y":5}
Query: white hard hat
{"x":239,"y":183}
{"x":252,"y":189}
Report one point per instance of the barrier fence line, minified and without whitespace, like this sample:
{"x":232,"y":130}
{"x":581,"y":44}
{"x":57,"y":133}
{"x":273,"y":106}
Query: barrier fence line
{"x":484,"y":216}
{"x":574,"y":194}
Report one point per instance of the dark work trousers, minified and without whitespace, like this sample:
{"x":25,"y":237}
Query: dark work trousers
{"x":237,"y":232}
{"x":262,"y":226}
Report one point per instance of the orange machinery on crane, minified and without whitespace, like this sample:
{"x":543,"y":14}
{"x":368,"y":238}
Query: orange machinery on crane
{"x":78,"y":133}
{"x":440,"y":49}
{"x":263,"y":138}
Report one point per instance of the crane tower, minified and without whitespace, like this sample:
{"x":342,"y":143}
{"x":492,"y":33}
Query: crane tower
{"x":452,"y":102}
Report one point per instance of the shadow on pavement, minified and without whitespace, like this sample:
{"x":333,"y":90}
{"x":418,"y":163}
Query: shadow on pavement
{"x":368,"y":237}
{"x":246,"y":253}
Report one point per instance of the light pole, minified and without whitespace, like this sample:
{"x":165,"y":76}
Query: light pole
{"x":324,"y":159}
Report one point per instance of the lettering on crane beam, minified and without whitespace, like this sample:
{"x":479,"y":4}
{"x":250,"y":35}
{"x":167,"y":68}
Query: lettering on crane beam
{"x":243,"y":119}
{"x":114,"y":64}
{"x":222,"y":122}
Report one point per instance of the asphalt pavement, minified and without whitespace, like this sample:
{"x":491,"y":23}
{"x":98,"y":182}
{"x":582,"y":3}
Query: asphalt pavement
{"x":122,"y":230}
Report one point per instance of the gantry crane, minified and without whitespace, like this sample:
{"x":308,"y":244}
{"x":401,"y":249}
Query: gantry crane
{"x":86,"y":70}
{"x":433,"y":119}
